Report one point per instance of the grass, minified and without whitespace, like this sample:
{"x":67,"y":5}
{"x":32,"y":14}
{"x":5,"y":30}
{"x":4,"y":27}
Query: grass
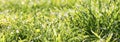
{"x":59,"y":21}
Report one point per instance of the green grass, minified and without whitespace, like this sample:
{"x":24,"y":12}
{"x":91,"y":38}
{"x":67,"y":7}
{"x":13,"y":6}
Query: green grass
{"x":59,"y":21}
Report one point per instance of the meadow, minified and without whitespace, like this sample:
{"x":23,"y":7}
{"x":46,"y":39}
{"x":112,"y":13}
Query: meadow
{"x":59,"y":20}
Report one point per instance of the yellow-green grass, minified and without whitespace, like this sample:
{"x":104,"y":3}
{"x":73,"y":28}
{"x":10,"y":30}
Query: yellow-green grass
{"x":59,"y":21}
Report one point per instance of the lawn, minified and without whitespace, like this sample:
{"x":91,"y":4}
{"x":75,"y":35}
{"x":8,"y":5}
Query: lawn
{"x":59,"y":20}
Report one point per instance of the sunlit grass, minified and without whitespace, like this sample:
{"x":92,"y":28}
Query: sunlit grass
{"x":59,"y":20}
